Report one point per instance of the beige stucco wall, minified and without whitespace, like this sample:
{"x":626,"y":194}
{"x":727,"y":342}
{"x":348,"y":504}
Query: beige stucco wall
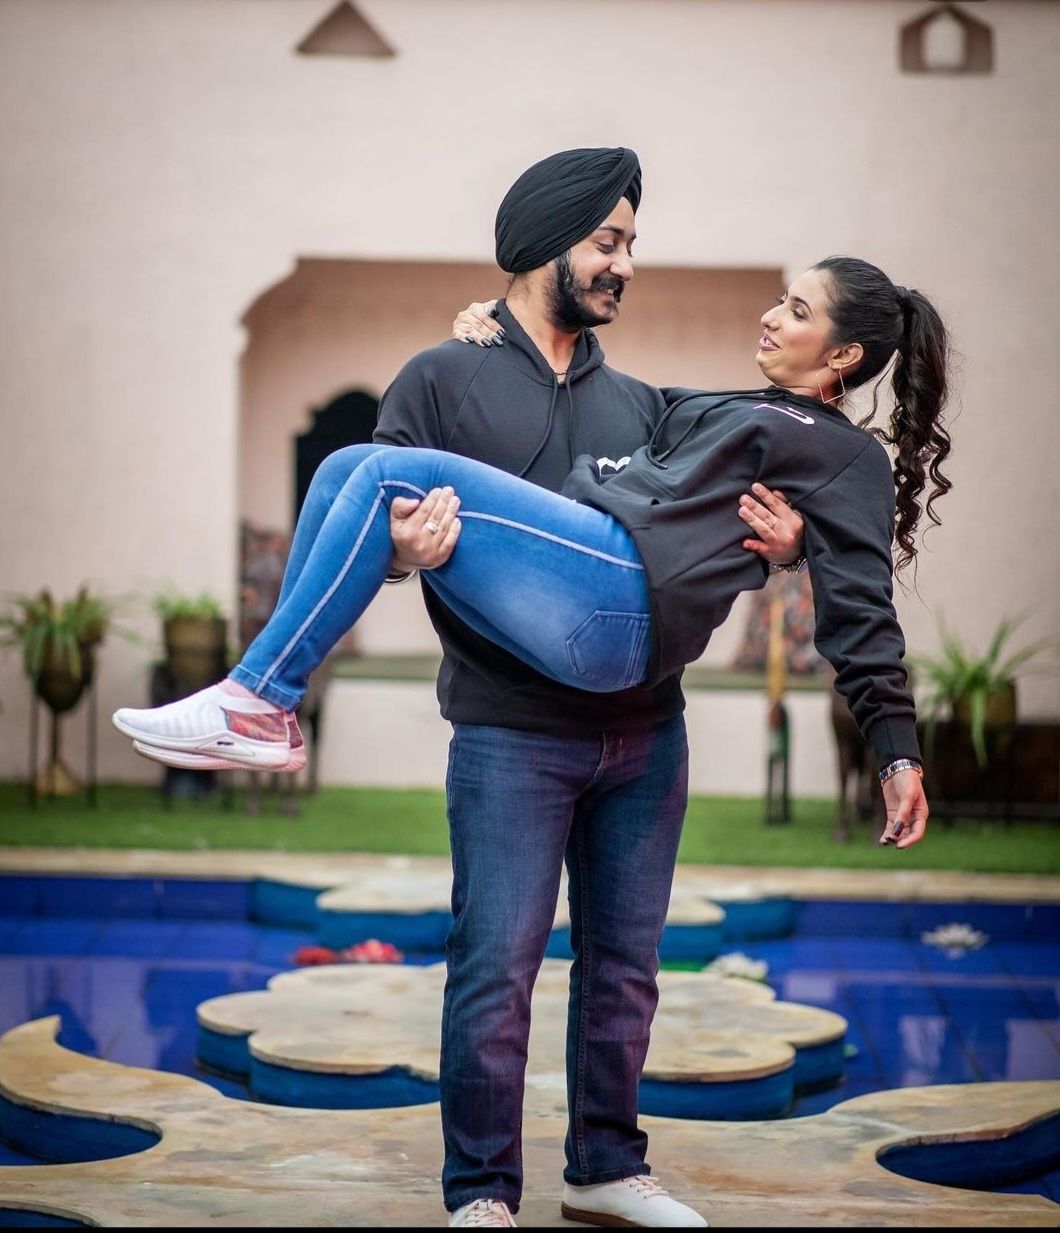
{"x":165,"y":162}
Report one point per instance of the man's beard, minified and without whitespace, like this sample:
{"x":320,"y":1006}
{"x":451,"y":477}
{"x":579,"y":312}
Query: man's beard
{"x":567,"y":305}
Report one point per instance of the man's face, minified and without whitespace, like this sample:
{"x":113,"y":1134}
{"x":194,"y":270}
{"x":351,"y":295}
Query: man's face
{"x":588,"y":280}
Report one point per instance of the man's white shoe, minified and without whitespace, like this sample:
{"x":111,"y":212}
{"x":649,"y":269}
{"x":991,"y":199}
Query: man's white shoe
{"x":631,"y":1202}
{"x":483,"y":1212}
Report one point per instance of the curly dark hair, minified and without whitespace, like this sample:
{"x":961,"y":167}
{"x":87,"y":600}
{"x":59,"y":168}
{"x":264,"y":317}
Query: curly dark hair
{"x":867,"y":308}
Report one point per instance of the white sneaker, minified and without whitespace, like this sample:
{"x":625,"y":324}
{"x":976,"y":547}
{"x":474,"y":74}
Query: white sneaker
{"x":631,"y":1202}
{"x":246,"y":731}
{"x":483,"y":1212}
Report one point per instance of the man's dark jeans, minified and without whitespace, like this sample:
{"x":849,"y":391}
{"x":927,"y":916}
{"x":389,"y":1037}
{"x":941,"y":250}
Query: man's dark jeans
{"x":520,"y":802}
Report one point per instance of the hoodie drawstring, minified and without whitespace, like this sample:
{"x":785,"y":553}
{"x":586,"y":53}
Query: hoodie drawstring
{"x":548,"y":428}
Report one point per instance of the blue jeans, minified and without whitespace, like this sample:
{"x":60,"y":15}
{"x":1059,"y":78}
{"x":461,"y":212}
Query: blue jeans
{"x":558,"y":584}
{"x":520,"y":803}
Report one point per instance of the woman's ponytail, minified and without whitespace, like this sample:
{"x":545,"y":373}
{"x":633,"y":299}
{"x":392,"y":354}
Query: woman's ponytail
{"x":921,"y":441}
{"x":867,"y":308}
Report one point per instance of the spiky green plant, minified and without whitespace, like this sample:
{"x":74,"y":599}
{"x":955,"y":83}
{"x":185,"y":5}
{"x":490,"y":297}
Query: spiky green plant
{"x":172,"y":606}
{"x":49,"y":632}
{"x":958,"y":675}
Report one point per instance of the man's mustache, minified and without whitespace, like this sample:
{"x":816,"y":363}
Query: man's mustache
{"x":608,"y":282}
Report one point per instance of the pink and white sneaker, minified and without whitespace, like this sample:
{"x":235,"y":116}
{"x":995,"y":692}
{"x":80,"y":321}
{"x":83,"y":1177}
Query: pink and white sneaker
{"x":207,"y":762}
{"x":241,"y":731}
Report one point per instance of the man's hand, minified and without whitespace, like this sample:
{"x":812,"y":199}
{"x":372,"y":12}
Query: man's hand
{"x":907,"y":809}
{"x":424,"y":533}
{"x":777,"y":526}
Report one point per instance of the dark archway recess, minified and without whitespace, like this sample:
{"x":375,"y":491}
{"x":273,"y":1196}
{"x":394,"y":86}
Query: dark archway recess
{"x":978,"y":43}
{"x":348,"y":419}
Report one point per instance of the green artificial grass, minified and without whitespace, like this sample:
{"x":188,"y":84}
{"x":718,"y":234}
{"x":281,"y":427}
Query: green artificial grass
{"x":718,"y":830}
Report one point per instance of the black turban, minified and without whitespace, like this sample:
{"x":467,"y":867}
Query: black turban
{"x":559,"y":201}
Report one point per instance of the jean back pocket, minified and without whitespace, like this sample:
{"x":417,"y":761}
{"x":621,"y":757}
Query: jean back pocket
{"x":609,"y":650}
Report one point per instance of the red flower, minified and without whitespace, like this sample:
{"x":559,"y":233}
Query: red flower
{"x":310,"y":956}
{"x":372,"y":951}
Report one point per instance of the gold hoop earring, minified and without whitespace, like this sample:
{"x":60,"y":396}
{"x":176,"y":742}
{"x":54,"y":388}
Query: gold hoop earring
{"x":842,"y":386}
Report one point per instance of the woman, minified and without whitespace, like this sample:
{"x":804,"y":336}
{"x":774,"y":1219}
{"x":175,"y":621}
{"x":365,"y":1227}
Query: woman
{"x":623,"y":577}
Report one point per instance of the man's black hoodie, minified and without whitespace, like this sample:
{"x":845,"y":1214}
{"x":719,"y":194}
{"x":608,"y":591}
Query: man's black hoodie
{"x":506,"y":407}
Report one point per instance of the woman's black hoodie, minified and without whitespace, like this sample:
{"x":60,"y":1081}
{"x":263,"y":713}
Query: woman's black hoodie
{"x":679,"y":497}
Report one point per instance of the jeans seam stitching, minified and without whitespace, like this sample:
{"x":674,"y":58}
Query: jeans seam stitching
{"x":634,"y":652}
{"x":555,"y":539}
{"x":579,"y":1128}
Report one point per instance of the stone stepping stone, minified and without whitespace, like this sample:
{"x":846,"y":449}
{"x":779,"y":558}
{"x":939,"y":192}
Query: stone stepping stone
{"x":410,"y":908}
{"x":353,"y":1037}
{"x":291,"y":898}
{"x":218,"y":1162}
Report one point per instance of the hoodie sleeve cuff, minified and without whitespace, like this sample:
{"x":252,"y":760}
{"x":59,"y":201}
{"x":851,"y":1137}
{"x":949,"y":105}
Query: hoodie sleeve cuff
{"x":892,"y":738}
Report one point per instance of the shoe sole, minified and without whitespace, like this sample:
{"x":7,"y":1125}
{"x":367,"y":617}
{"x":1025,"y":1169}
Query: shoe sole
{"x":188,"y":761}
{"x":271,"y":757}
{"x":603,"y":1220}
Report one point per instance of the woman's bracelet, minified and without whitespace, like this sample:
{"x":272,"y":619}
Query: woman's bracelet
{"x":900,"y":764}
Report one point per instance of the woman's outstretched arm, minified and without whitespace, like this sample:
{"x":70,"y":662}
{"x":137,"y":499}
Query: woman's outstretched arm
{"x":849,"y":533}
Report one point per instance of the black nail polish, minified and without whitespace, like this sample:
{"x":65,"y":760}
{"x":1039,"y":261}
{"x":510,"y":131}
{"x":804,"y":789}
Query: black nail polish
{"x":499,"y":342}
{"x":493,"y":311}
{"x":500,"y":332}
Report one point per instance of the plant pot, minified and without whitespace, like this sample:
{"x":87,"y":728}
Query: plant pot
{"x":60,"y":689}
{"x":195,"y":651}
{"x":58,"y":686}
{"x":1000,"y":707}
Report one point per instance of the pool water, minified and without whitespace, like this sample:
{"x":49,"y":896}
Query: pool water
{"x":125,"y":963}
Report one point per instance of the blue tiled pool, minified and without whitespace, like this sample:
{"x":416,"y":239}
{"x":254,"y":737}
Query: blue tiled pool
{"x":126,"y":962}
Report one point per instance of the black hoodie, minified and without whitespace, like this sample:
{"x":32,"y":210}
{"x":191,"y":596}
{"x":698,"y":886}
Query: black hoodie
{"x":679,"y":497}
{"x":504,"y":406}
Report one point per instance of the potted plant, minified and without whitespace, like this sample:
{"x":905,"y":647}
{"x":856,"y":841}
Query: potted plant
{"x":58,"y":644}
{"x":195,"y":633}
{"x":978,"y":691}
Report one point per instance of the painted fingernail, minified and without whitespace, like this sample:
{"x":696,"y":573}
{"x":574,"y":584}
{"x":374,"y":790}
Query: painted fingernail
{"x":493,"y":312}
{"x":500,"y":332}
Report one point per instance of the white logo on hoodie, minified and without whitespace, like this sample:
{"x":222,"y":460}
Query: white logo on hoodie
{"x":613,"y":466}
{"x":801,"y":416}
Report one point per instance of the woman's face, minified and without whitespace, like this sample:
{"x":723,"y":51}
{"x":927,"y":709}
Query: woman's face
{"x":795,"y":350}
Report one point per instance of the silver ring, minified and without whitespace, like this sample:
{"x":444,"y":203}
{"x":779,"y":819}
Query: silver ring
{"x":432,"y":527}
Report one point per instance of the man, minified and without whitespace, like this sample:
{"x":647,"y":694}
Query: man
{"x":540,"y":772}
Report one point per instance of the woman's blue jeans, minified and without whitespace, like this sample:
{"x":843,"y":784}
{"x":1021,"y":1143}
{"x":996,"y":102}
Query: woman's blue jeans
{"x":558,"y":584}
